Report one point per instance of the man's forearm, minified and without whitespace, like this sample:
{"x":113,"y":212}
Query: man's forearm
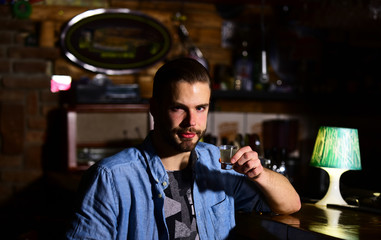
{"x":280,"y":194}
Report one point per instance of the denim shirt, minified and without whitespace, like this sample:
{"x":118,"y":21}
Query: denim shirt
{"x":122,"y":198}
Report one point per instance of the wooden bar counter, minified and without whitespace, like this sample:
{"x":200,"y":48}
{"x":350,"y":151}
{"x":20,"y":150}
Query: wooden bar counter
{"x":311,"y":222}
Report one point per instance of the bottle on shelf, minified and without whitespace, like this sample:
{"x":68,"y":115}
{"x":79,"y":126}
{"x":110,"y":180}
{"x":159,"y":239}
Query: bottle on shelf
{"x":192,"y":50}
{"x":264,"y":77}
{"x":243,"y":69}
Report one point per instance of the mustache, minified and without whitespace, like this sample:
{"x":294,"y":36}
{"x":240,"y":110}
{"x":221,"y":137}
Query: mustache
{"x":188,"y":130}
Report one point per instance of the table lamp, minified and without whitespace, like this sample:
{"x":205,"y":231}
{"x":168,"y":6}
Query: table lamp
{"x":336,"y":151}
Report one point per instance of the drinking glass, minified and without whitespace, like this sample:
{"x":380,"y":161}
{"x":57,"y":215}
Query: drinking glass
{"x":227,"y":152}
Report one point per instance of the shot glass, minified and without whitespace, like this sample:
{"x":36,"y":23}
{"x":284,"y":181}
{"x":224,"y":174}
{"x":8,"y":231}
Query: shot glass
{"x":227,"y":152}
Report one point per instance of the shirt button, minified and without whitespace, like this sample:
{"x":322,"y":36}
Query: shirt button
{"x":164,"y":184}
{"x":159,"y":195}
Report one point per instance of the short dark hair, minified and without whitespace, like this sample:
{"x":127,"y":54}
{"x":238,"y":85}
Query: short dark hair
{"x":180,"y":69}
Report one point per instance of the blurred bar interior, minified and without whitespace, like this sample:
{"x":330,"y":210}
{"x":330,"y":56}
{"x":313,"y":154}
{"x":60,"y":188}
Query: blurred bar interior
{"x":280,"y":69}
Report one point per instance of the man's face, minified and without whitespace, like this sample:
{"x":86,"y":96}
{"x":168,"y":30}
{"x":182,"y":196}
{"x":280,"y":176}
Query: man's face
{"x":182,"y":117}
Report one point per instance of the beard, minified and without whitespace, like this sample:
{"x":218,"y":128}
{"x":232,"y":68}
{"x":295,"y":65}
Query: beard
{"x":181,"y":144}
{"x":186,"y":144}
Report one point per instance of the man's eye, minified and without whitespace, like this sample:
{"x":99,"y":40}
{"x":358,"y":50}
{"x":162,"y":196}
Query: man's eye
{"x":176,"y":109}
{"x":202,"y":108}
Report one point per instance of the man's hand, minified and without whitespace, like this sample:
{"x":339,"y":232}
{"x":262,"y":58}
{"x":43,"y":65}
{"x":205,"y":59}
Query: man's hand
{"x":280,"y":194}
{"x":246,"y":161}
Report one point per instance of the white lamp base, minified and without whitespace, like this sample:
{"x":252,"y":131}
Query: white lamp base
{"x":333,"y":195}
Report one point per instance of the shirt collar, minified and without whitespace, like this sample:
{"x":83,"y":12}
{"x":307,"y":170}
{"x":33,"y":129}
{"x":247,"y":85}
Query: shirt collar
{"x":156,"y":166}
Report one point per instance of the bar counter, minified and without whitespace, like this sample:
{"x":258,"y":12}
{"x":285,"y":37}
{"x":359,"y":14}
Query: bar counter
{"x":311,"y":222}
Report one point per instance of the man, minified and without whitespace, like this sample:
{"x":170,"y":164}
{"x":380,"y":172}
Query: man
{"x":172,"y":186}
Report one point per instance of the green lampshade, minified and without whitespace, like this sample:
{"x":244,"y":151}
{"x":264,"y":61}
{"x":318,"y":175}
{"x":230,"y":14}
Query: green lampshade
{"x":337,"y":148}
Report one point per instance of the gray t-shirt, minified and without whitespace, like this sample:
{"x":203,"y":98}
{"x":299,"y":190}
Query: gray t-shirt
{"x":178,"y":205}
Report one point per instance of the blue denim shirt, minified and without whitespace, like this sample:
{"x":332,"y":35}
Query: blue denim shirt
{"x":123,"y":199}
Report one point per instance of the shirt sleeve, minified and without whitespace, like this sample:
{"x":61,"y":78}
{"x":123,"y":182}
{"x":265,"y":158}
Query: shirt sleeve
{"x":249,"y":198}
{"x":96,"y":215}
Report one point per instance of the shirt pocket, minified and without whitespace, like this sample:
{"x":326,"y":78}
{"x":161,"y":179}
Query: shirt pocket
{"x":222,"y":216}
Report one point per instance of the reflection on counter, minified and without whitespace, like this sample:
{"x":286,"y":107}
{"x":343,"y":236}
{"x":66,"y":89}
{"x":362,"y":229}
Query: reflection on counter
{"x":311,"y":222}
{"x":332,"y":226}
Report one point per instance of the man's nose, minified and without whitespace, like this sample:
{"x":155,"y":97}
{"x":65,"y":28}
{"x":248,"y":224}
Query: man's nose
{"x":191,"y":118}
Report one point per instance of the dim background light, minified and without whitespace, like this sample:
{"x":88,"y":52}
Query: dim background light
{"x":60,"y":83}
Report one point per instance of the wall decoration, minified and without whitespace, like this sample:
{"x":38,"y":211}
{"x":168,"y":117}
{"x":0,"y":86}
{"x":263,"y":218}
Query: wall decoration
{"x":115,"y":41}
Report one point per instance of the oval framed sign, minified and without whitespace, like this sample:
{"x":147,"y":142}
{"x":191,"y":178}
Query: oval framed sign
{"x":115,"y":41}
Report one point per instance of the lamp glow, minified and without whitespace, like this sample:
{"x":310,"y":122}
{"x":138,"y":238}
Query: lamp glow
{"x":336,"y":151}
